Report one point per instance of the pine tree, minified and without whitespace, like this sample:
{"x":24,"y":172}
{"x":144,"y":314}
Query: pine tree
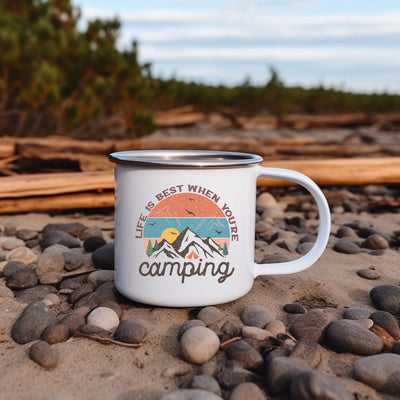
{"x":149,"y":250}
{"x":225,"y":250}
{"x":156,"y":246}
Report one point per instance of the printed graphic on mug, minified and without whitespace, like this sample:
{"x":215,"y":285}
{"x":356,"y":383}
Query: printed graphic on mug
{"x":187,"y":233}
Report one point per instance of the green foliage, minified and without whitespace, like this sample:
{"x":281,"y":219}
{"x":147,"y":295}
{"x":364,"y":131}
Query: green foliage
{"x":149,"y":250}
{"x":72,"y":82}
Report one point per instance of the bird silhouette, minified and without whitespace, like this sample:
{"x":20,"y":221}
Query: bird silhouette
{"x":190,"y":212}
{"x":152,"y":223}
{"x":173,"y":233}
{"x":219,"y":232}
{"x":191,"y":199}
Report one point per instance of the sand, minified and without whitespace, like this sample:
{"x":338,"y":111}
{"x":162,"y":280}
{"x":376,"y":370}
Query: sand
{"x":91,"y":370}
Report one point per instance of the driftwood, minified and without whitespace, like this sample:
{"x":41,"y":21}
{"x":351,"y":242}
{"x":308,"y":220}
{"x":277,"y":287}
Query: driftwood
{"x":88,"y":190}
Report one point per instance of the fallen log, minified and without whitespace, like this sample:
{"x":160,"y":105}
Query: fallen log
{"x":87,"y":190}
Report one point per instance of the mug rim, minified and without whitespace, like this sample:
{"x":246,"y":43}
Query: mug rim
{"x":185,"y":158}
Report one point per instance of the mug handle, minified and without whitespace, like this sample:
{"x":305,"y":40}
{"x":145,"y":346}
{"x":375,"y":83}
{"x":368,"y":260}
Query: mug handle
{"x":312,"y":256}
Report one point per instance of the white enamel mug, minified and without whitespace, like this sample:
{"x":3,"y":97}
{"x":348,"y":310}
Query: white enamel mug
{"x":185,"y":225}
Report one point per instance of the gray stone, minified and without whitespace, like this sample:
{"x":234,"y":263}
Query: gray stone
{"x":281,"y":371}
{"x":232,"y":374}
{"x":305,"y":247}
{"x":92,"y":243}
{"x":103,"y":257}
{"x":89,"y":232}
{"x":274,"y":258}
{"x":345,"y":231}
{"x":80,"y":292}
{"x":294,"y":308}
{"x":131,"y":331}
{"x":314,"y":385}
{"x":381,"y":371}
{"x":103,"y":294}
{"x":368,"y":273}
{"x":356,"y":313}
{"x":75,"y":319}
{"x":346,"y":246}
{"x":351,"y":337}
{"x":232,"y":327}
{"x":59,"y":237}
{"x":31,"y":322}
{"x":252,"y":332}
{"x":386,"y":298}
{"x":245,"y":354}
{"x":311,"y":325}
{"x":97,"y":278}
{"x":55,"y":333}
{"x":199,"y":344}
{"x":44,"y":354}
{"x":56,"y":248}
{"x":276,"y":327}
{"x":51,"y":278}
{"x":27,"y":234}
{"x":73,"y":228}
{"x":256,"y":315}
{"x":247,"y":391}
{"x":375,"y":242}
{"x":210,"y":315}
{"x":308,"y":351}
{"x":388,"y":322}
{"x":190,"y":394}
{"x":88,"y":329}
{"x":73,"y":260}
{"x":35,"y":293}
{"x":205,"y":382}
{"x":23,"y":278}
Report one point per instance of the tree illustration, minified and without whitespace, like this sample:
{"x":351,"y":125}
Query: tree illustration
{"x":149,"y":250}
{"x":219,"y":247}
{"x":225,"y":250}
{"x":155,"y":246}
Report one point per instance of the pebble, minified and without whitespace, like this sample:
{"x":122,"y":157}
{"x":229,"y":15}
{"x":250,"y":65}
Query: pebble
{"x":388,"y":322}
{"x":44,"y":354}
{"x":55,"y":333}
{"x":311,"y":325}
{"x":346,"y":246}
{"x":281,"y":371}
{"x":58,"y":237}
{"x":31,"y":322}
{"x":131,"y":331}
{"x":23,"y":278}
{"x":199,"y":344}
{"x":51,"y":278}
{"x":103,"y":294}
{"x":381,"y":371}
{"x":104,"y":318}
{"x":92,"y":243}
{"x":189,"y":324}
{"x":210,"y":315}
{"x":205,"y":382}
{"x":305,"y":247}
{"x":375,"y":242}
{"x":80,"y":292}
{"x":350,"y":337}
{"x":245,"y":354}
{"x":386,"y":298}
{"x":190,"y":394}
{"x":50,"y":262}
{"x":27,"y":234}
{"x":345,"y":231}
{"x":103,"y":257}
{"x":12,"y":243}
{"x":35,"y":293}
{"x":356,"y":313}
{"x":97,"y":278}
{"x":232,"y":373}
{"x":275,"y":327}
{"x":89,"y":232}
{"x":368,"y":273}
{"x":247,"y":391}
{"x":95,"y":330}
{"x":266,"y":200}
{"x":315,"y":385}
{"x":75,"y":319}
{"x":56,"y":248}
{"x":274,"y":258}
{"x":73,"y":228}
{"x":308,"y":351}
{"x":294,"y":308}
{"x":10,"y":229}
{"x":252,"y":332}
{"x":23,"y":254}
{"x":51,"y":299}
{"x":232,"y":327}
{"x":73,"y":260}
{"x":256,"y":315}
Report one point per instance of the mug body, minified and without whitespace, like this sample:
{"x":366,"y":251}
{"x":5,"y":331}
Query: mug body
{"x":184,"y":235}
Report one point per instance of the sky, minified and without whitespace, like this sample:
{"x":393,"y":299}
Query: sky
{"x":342,"y":44}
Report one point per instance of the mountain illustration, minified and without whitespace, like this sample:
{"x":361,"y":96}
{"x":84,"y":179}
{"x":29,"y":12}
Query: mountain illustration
{"x":187,"y":242}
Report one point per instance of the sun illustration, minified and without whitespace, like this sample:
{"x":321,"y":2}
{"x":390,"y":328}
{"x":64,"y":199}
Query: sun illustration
{"x":170,"y":234}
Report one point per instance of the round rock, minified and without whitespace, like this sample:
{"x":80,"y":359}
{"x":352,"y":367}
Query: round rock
{"x":199,"y":344}
{"x":375,"y":242}
{"x":55,"y":333}
{"x":23,"y":278}
{"x":311,"y":325}
{"x":388,"y":322}
{"x":210,"y":315}
{"x":92,"y":243}
{"x":256,"y":315}
{"x":252,"y":332}
{"x":131,"y":331}
{"x":314,"y":385}
{"x":351,"y":337}
{"x":205,"y":382}
{"x":12,"y":243}
{"x":190,"y":394}
{"x":97,"y":278}
{"x":104,"y":318}
{"x":50,"y":262}
{"x":386,"y":298}
{"x":245,"y":354}
{"x":356,"y":313}
{"x":368,"y":273}
{"x":23,"y":254}
{"x":73,"y":260}
{"x":44,"y":354}
{"x":346,"y":246}
{"x":31,"y":322}
{"x":103,"y":257}
{"x":247,"y":391}
{"x":381,"y":371}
